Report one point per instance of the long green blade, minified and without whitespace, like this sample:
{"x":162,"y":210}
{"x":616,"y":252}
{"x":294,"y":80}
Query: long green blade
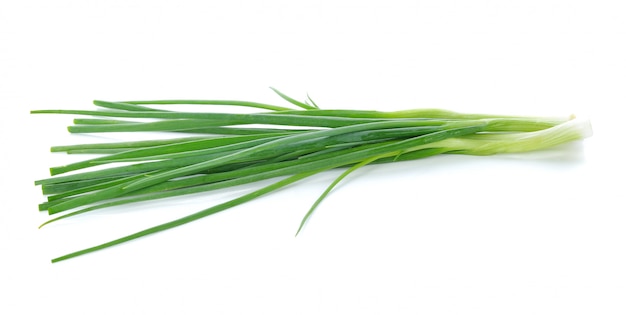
{"x":190,"y":218}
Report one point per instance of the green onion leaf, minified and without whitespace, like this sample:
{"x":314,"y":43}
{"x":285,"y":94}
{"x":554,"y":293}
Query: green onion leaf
{"x":228,"y":150}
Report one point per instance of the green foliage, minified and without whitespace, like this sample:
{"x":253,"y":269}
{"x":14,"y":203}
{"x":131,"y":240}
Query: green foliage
{"x":224,"y":150}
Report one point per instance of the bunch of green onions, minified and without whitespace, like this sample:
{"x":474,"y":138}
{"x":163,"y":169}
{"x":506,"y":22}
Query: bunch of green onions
{"x":222,"y":150}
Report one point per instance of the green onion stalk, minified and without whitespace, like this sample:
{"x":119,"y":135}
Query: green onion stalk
{"x":211,"y":151}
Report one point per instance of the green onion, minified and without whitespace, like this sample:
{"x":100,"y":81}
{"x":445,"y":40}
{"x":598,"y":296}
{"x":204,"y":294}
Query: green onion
{"x":226,"y":150}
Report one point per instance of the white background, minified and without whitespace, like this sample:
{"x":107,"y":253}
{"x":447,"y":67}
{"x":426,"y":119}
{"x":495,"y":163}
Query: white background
{"x":540,"y":233}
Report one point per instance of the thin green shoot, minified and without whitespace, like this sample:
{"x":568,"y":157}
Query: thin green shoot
{"x":293,"y":101}
{"x":330,"y":187}
{"x":190,"y":218}
{"x":211,"y":102}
